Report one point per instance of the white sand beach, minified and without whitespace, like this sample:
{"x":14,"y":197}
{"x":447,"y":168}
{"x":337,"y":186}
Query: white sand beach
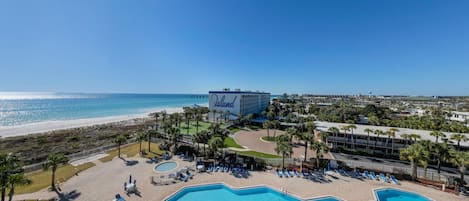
{"x":41,"y":127}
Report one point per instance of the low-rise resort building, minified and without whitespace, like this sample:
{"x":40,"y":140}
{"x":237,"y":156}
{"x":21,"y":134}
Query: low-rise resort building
{"x":379,"y":139}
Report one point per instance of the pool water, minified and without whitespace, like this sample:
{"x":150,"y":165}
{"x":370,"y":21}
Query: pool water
{"x":166,"y":166}
{"x":390,"y":194}
{"x":217,"y":192}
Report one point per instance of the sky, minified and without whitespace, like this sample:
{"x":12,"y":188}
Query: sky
{"x":398,"y":47}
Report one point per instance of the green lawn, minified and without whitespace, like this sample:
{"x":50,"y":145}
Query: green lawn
{"x":230,"y":142}
{"x":257,"y":154}
{"x":42,"y":179}
{"x":192,"y":126}
{"x":269,"y":138}
{"x":131,"y":150}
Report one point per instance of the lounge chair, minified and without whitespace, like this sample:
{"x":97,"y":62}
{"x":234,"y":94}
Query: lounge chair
{"x":383,"y":178}
{"x":373,"y":176}
{"x":368,"y":176}
{"x":305,"y":174}
{"x":189,"y":174}
{"x":217,"y":168}
{"x":394,"y":180}
{"x":290,"y":173}
{"x":284,"y":173}
{"x":225,"y":169}
{"x":209,"y":169}
{"x":296,"y":173}
{"x":277,"y":172}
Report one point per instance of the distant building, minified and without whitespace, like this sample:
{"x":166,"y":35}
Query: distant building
{"x":230,"y":104}
{"x":459,"y":116}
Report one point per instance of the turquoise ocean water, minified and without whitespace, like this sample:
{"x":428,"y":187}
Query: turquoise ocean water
{"x":25,"y":108}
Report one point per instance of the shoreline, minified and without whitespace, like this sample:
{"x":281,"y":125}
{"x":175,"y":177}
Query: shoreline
{"x":48,"y":126}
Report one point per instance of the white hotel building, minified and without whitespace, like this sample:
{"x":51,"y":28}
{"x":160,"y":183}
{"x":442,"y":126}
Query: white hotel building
{"x":234,"y":103}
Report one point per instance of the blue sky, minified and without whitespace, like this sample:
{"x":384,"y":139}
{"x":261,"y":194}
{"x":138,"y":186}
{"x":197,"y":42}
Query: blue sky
{"x":333,"y":47}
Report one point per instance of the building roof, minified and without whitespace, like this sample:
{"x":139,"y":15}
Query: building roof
{"x":424,"y":134}
{"x":237,"y":92}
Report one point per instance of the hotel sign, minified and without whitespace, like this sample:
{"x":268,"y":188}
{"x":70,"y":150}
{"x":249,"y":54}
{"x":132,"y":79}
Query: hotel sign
{"x":220,"y":102}
{"x":225,"y":102}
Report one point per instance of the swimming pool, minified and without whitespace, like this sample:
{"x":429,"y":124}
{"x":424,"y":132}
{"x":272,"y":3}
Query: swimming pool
{"x":166,"y":166}
{"x":391,"y":194}
{"x":217,"y":192}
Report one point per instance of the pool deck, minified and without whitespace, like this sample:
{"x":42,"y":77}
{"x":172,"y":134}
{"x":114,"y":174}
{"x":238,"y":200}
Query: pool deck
{"x":104,"y":180}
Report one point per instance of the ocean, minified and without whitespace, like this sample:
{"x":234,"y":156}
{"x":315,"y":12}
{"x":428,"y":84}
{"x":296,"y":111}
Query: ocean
{"x":19,"y":108}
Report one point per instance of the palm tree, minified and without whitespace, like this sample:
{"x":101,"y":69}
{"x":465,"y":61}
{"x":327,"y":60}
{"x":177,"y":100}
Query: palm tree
{"x":324,"y":136}
{"x":204,"y":137}
{"x":307,"y":137}
{"x":459,"y":137}
{"x":414,"y":137}
{"x":441,"y":152}
{"x":460,"y":159}
{"x":345,"y":129}
{"x":214,"y":144}
{"x":391,"y":133}
{"x":53,"y":162}
{"x":9,"y":165}
{"x":149,"y":135}
{"x":368,"y":131}
{"x":414,"y":153}
{"x":155,"y":115}
{"x":292,"y":132}
{"x":16,"y":180}
{"x":283,"y":147}
{"x":377,"y":133}
{"x":140,"y":137}
{"x":119,"y":140}
{"x":437,"y":134}
{"x":275,"y":125}
{"x":335,"y":132}
{"x":174,"y":137}
{"x":214,"y":128}
{"x":406,"y":137}
{"x":198,"y":118}
{"x":267,"y":124}
{"x":352,"y":127}
{"x":319,"y":148}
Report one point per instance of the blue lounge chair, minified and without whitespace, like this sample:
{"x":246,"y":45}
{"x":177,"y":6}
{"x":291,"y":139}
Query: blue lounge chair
{"x":217,"y":168}
{"x":383,"y":178}
{"x":394,"y":180}
{"x":284,"y":173}
{"x":209,"y":169}
{"x":290,"y":173}
{"x":358,"y":174}
{"x":367,"y":175}
{"x":296,"y":173}
{"x":305,"y":174}
{"x":278,"y":173}
{"x":225,"y":169}
{"x":373,"y":176}
{"x":189,"y":174}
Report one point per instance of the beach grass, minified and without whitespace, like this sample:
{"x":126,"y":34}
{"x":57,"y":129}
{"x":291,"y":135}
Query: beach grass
{"x":257,"y":154}
{"x":42,"y":179}
{"x":132,"y":150}
{"x":230,"y":142}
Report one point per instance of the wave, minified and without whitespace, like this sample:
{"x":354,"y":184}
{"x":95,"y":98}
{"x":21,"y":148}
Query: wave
{"x":42,"y":95}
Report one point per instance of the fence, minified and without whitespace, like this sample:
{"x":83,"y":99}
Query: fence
{"x":78,"y":155}
{"x":430,"y":174}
